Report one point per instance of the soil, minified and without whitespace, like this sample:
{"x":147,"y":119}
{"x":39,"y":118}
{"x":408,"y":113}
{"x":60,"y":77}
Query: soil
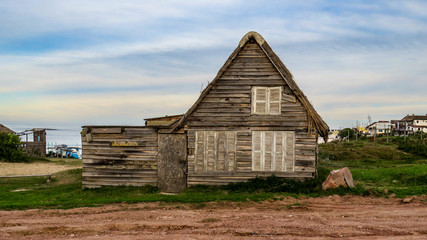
{"x":347,"y":217}
{"x":10,"y":169}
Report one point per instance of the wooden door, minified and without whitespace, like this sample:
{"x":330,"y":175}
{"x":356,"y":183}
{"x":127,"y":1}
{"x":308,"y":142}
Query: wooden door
{"x":172,"y":163}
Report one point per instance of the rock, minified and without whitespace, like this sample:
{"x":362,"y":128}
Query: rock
{"x":392,"y":195}
{"x":408,"y":200}
{"x":386,"y":191}
{"x":337,"y":178}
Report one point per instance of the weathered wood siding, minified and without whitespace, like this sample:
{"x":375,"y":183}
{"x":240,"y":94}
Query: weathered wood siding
{"x":227,"y":107}
{"x":108,"y":165}
{"x":172,"y":163}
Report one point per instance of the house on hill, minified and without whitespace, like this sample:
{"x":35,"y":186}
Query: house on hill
{"x":415,"y":123}
{"x":379,"y":128}
{"x":3,"y":128}
{"x":251,"y":120}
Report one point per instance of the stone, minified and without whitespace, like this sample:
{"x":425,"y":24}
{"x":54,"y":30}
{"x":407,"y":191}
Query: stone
{"x":408,"y":200}
{"x":341,"y":177}
{"x":392,"y":195}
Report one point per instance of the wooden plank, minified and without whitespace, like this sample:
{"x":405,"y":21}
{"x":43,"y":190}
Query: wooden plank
{"x":106,"y":130}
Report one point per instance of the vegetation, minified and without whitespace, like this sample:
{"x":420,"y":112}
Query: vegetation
{"x":375,"y":167}
{"x":379,"y":166}
{"x":413,"y":145}
{"x":346,"y":133}
{"x":10,"y":148}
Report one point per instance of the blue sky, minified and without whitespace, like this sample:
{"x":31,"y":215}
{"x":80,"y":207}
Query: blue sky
{"x":117,"y":62}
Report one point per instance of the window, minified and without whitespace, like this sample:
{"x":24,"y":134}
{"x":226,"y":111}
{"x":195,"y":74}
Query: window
{"x":266,"y":100}
{"x":273,"y":151}
{"x":215,"y":151}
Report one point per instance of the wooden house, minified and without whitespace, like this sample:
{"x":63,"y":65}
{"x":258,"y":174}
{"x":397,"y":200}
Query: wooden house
{"x":251,"y":120}
{"x":3,"y":128}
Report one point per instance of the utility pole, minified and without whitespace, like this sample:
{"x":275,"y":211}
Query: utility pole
{"x":348,"y":134}
{"x":386,"y":132}
{"x":406,"y":130}
{"x":357,"y":132}
{"x":375,"y":133}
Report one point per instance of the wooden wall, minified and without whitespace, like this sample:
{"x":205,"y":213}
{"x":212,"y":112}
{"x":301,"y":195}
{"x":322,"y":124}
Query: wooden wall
{"x":227,"y":107}
{"x":106,"y":163}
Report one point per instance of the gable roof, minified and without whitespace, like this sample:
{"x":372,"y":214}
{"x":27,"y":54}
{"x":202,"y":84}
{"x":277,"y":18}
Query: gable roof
{"x":314,"y":118}
{"x":3,"y":128}
{"x":414,"y":117}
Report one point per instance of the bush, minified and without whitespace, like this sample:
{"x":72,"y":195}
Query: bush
{"x":274,"y":184}
{"x":346,"y":133}
{"x":414,"y":146}
{"x":10,"y":148}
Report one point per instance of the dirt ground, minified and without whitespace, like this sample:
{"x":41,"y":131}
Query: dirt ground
{"x":348,"y":217}
{"x":10,"y":169}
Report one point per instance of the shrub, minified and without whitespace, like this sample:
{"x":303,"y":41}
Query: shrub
{"x":346,"y":133}
{"x":274,"y":184}
{"x":414,"y":146}
{"x":10,"y":148}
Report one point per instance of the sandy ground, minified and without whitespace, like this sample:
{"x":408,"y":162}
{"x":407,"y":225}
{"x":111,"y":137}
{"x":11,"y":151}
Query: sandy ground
{"x":348,"y":217}
{"x":10,"y":169}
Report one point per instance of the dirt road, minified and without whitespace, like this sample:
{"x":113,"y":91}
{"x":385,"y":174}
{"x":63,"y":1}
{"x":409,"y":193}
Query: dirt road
{"x":345,"y":217}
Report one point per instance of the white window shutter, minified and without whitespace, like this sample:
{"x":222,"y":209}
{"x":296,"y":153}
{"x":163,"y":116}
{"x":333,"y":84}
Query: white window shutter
{"x":277,"y":165}
{"x":260,"y":100}
{"x":266,"y":100}
{"x":274,"y":99}
{"x":199,"y":162}
{"x":256,"y":150}
{"x":290,"y":151}
{"x":273,"y":151}
{"x":268,"y":150}
{"x":215,"y":151}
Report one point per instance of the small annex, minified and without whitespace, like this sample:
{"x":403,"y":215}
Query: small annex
{"x":251,"y":120}
{"x":3,"y":128}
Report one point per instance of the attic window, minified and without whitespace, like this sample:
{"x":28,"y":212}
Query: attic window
{"x":266,"y":100}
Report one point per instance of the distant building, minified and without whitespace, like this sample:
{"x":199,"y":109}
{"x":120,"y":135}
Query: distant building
{"x":37,"y":147}
{"x":380,"y":127}
{"x":3,"y":128}
{"x":414,"y":123}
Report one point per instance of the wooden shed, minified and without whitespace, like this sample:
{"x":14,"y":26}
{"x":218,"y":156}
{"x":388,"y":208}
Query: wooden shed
{"x":251,"y":120}
{"x":3,"y":128}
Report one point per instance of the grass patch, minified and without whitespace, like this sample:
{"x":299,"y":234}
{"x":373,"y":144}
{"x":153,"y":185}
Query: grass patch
{"x":375,"y":167}
{"x":379,"y":166}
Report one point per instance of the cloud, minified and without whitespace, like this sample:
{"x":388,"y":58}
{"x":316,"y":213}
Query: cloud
{"x":119,"y":57}
{"x":102,"y":108}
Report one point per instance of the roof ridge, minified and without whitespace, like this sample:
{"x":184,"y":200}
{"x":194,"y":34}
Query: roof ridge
{"x":314,"y":118}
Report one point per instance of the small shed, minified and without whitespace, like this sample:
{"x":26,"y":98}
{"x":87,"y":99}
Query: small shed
{"x":251,"y":120}
{"x":3,"y":128}
{"x":36,"y":147}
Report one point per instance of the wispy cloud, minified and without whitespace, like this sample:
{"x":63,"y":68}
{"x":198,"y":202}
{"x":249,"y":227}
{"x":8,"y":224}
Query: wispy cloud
{"x":348,"y":57}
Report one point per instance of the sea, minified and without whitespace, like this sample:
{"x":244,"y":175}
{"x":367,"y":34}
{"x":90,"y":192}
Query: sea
{"x":56,"y":133}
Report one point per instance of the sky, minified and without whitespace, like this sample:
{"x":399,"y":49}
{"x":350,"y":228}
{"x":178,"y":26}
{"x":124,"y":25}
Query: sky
{"x":118,"y":62}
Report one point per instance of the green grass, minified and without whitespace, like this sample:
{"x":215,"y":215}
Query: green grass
{"x":375,"y":167}
{"x":65,"y":191}
{"x":378,"y":166}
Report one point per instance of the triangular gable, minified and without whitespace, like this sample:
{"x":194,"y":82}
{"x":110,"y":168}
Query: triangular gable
{"x":3,"y":128}
{"x":314,"y":119}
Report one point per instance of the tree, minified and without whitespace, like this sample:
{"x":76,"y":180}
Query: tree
{"x":346,"y":133}
{"x":10,"y":148}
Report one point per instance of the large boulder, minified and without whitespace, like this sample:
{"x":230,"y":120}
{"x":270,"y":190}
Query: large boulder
{"x":337,"y":178}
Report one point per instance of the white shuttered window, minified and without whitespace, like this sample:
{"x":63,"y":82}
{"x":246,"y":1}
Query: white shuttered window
{"x":266,"y":100}
{"x":215,"y":151}
{"x":273,"y":151}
